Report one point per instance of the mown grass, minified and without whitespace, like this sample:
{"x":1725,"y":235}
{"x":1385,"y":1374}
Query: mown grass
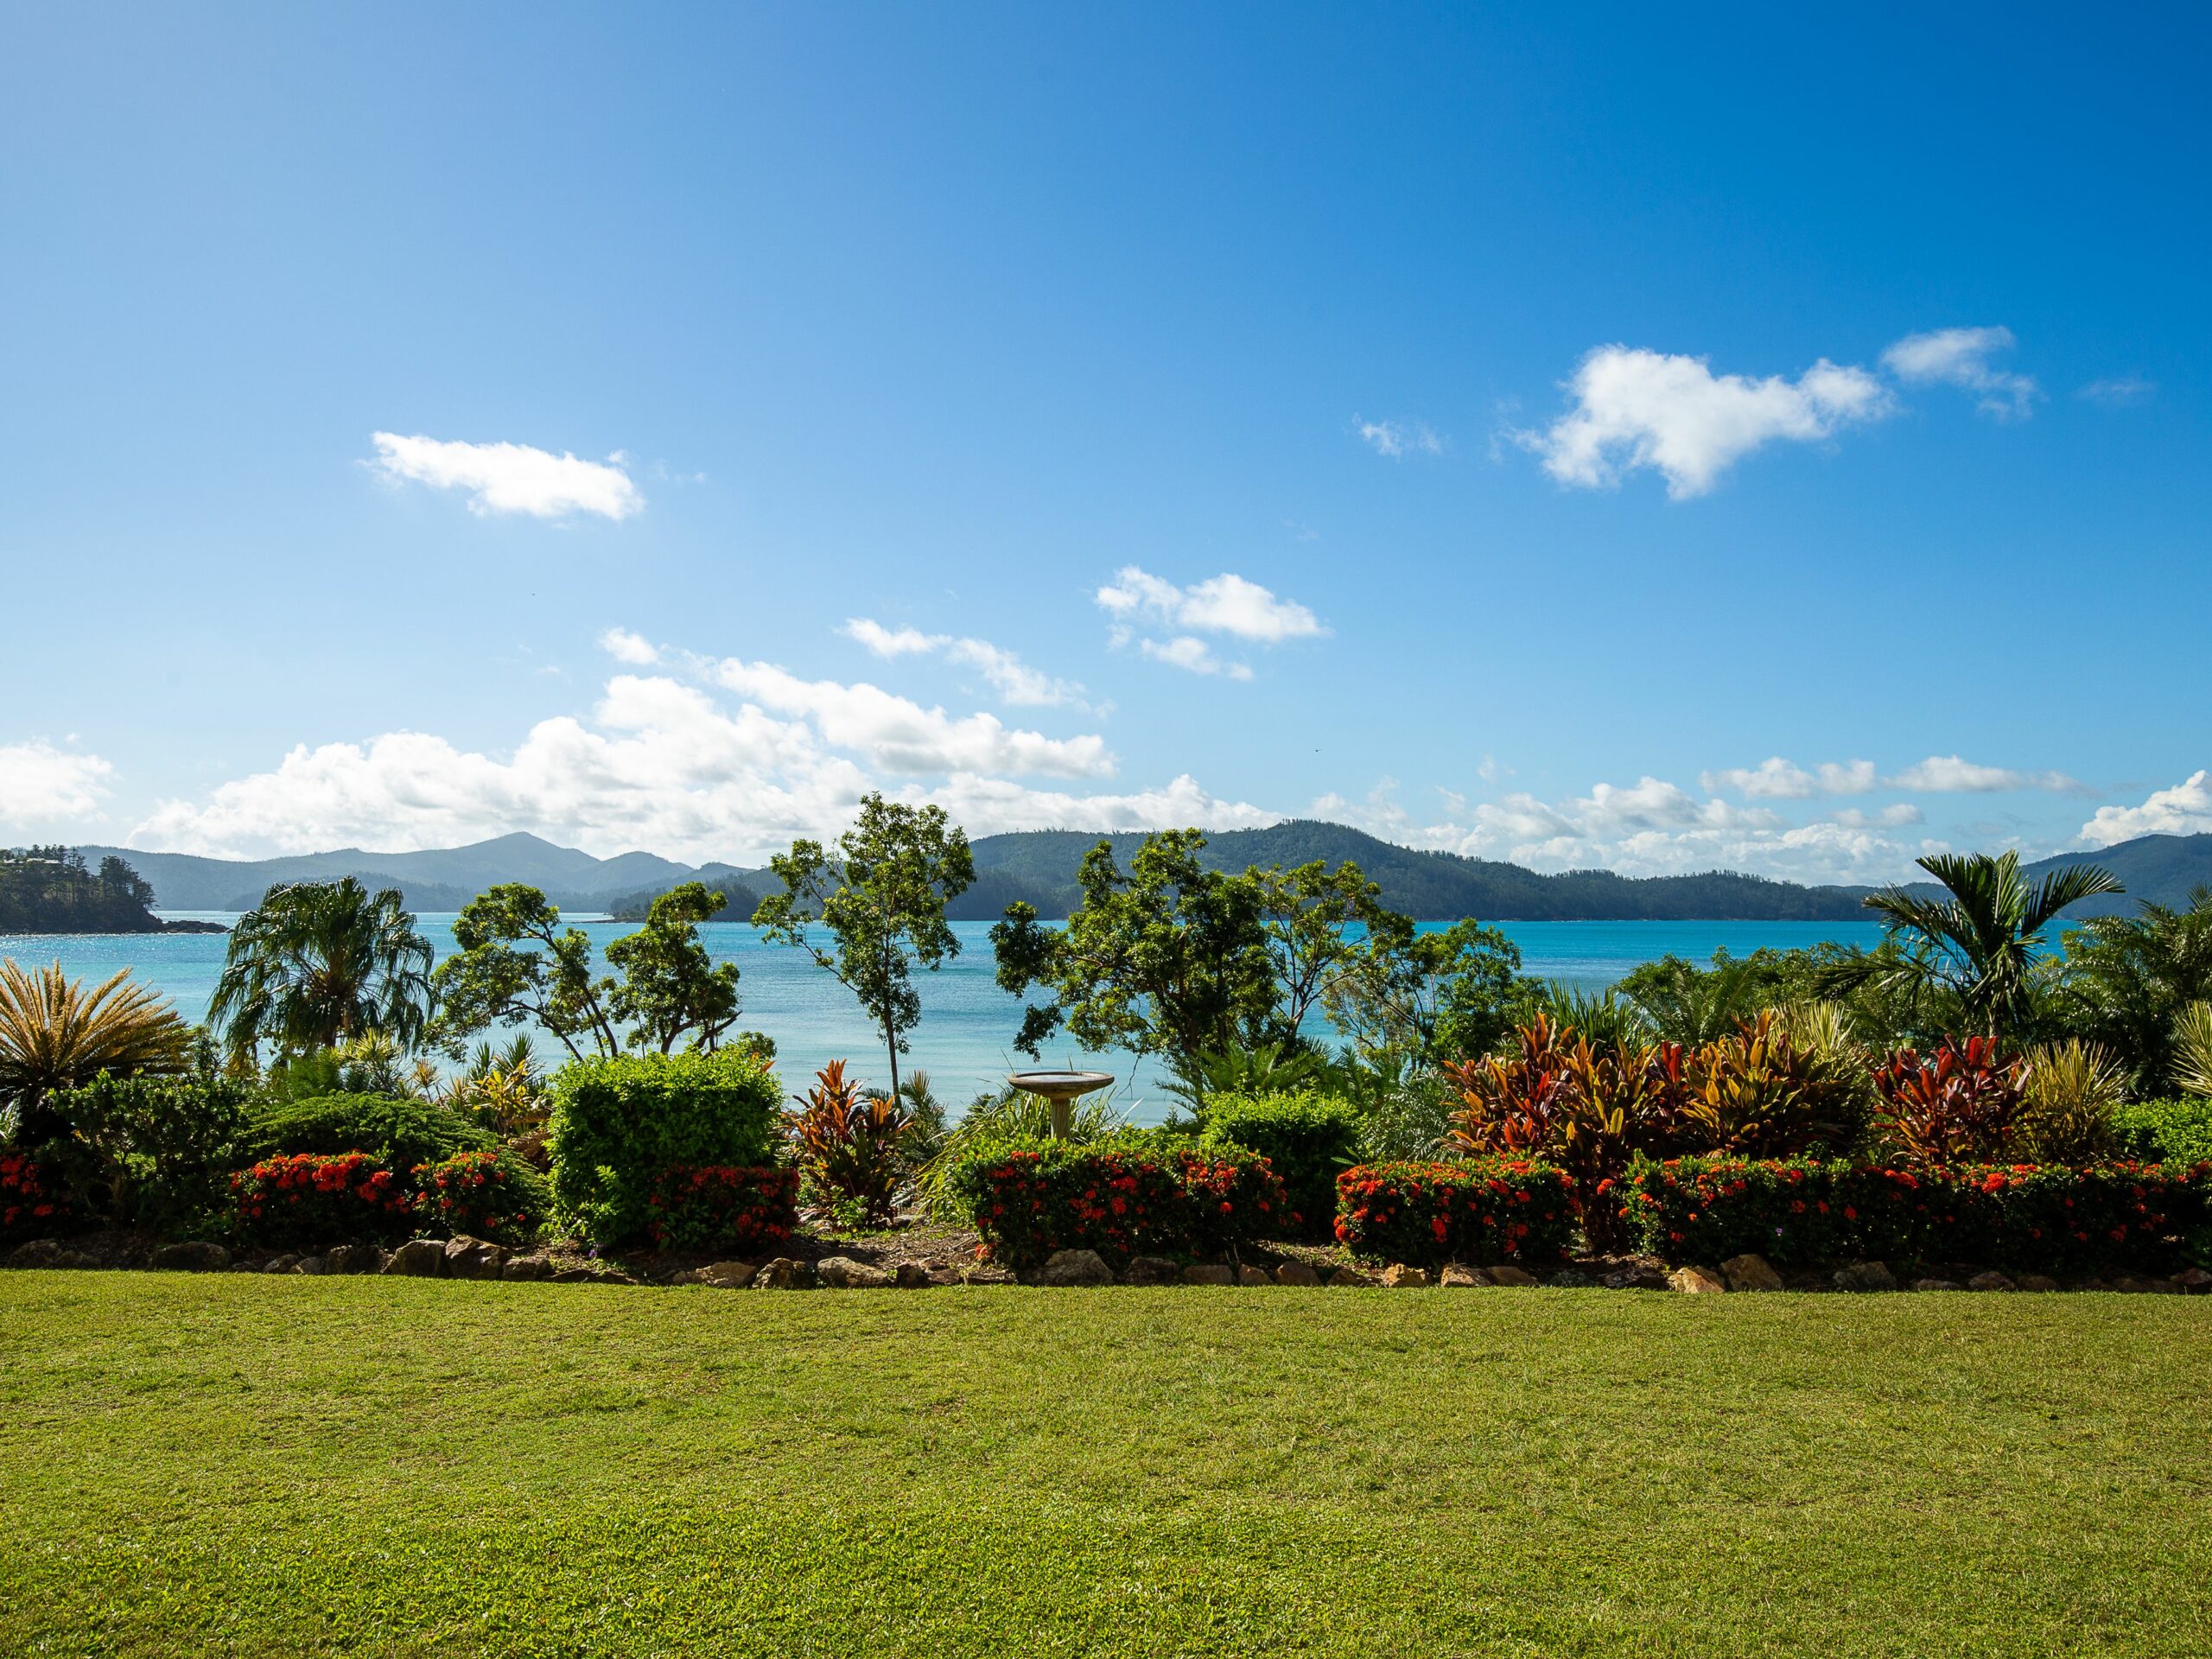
{"x":251,"y":1465}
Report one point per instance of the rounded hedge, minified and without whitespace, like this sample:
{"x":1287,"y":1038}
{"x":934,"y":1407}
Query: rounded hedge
{"x":403,"y":1132}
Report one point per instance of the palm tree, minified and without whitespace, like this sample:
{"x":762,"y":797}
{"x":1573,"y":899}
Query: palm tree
{"x":2130,"y":977}
{"x":1979,"y":944}
{"x":54,"y":1035}
{"x":320,"y":962}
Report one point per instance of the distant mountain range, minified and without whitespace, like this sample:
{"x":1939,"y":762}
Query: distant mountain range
{"x":1040,"y":867}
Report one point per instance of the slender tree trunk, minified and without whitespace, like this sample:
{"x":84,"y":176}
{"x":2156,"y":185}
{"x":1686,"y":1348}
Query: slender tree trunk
{"x":891,"y":1047}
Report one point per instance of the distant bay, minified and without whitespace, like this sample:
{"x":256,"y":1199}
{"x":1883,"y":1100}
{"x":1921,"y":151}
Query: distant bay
{"x":965,"y":1039}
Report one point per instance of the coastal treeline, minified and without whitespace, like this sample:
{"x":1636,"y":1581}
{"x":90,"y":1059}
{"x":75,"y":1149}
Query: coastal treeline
{"x":53,"y":890}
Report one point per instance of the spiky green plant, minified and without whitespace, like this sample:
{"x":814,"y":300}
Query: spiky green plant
{"x":1012,"y":1114}
{"x":1604,"y":1017}
{"x":2192,"y":1043}
{"x":2073,"y":1089}
{"x":54,"y":1034}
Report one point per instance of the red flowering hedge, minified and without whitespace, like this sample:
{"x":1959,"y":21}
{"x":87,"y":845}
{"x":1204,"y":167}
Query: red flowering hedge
{"x":307,"y":1198}
{"x":478,"y":1194}
{"x":26,"y":1205}
{"x":1029,"y":1200}
{"x":1481,"y":1212}
{"x":1800,"y":1212}
{"x":723,"y":1207}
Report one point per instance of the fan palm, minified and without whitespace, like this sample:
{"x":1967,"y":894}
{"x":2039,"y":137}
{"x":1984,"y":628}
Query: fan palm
{"x":317,"y":962}
{"x":2130,"y":977}
{"x":1979,"y":944}
{"x":54,"y":1034}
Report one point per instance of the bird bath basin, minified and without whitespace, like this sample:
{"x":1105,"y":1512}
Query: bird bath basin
{"x":1063,"y":1090}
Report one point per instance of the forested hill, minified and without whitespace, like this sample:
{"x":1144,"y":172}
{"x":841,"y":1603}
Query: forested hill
{"x":1040,"y":867}
{"x":53,"y":890}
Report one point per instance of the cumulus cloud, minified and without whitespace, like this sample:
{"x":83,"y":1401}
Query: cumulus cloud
{"x":625,"y":646}
{"x":2184,"y":810}
{"x":1226,"y":604}
{"x":1017,"y":684}
{"x":42,"y":784}
{"x":1960,"y":356}
{"x":1634,"y":408}
{"x":1777,"y":779}
{"x":1653,"y":827}
{"x":730,"y":763}
{"x":1944,"y":774}
{"x":1398,"y":439}
{"x":511,"y":477}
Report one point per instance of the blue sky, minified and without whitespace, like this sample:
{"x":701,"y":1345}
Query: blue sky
{"x":1583,"y":435}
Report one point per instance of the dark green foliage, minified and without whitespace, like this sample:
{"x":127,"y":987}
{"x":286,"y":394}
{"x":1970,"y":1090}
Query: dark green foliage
{"x":402,"y":1132}
{"x":1480,"y":1211}
{"x":51,"y":890}
{"x":2166,"y":1131}
{"x":1805,"y":1212}
{"x":317,"y":962}
{"x":620,"y":1124}
{"x":1308,"y":1140}
{"x":669,"y":989}
{"x":149,"y":1152}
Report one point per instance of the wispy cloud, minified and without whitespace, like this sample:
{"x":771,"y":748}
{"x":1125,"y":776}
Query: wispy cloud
{"x":1224,"y":605}
{"x":1777,"y":779}
{"x":1635,"y":409}
{"x":1960,"y":356}
{"x":1943,"y":774}
{"x":2118,"y":392}
{"x":511,"y":477}
{"x":1398,"y":439}
{"x":1018,"y":684}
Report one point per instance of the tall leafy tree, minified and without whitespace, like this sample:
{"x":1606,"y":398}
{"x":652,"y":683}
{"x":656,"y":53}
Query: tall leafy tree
{"x":875,"y":910}
{"x":1171,"y":958}
{"x":1452,"y":994}
{"x":316,"y":962}
{"x":518,"y":965}
{"x":1978,"y":945}
{"x":670,"y":988}
{"x":1321,"y":927}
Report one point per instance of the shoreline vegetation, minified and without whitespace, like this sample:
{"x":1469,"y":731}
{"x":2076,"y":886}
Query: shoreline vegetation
{"x":57,"y":891}
{"x":1041,"y":868}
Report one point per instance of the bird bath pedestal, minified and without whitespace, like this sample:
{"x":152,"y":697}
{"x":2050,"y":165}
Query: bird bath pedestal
{"x":1063,"y":1090}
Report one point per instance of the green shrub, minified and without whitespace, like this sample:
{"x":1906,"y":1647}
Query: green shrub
{"x":491,"y":1195}
{"x":1309,"y":1140}
{"x":149,"y":1152}
{"x":1480,"y":1211}
{"x":618,"y":1126}
{"x":2166,"y":1131}
{"x":1801,"y":1213}
{"x":402,"y":1132}
{"x":1148,"y":1193}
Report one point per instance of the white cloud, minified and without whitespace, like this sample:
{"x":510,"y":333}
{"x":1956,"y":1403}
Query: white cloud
{"x":1634,"y":408}
{"x":2120,"y":391}
{"x":625,"y":646}
{"x":1018,"y":684}
{"x":1398,"y":439}
{"x":1226,"y":604}
{"x":1189,"y":652}
{"x":1960,"y":356}
{"x":1777,"y":779}
{"x":666,"y":764}
{"x":1223,"y":603}
{"x":2184,"y":810}
{"x":41,"y":784}
{"x":1895,"y":816}
{"x":1943,"y":774}
{"x":511,"y":477}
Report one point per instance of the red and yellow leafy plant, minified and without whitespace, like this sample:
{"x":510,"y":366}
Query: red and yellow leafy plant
{"x":846,"y":1145}
{"x":1758,"y":1094}
{"x":1960,"y":1105}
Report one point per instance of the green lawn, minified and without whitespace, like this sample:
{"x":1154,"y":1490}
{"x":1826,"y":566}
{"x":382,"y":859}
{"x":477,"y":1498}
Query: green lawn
{"x":247,"y":1464}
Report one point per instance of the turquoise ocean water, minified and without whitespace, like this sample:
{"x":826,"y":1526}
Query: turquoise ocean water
{"x":965,"y":1039}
